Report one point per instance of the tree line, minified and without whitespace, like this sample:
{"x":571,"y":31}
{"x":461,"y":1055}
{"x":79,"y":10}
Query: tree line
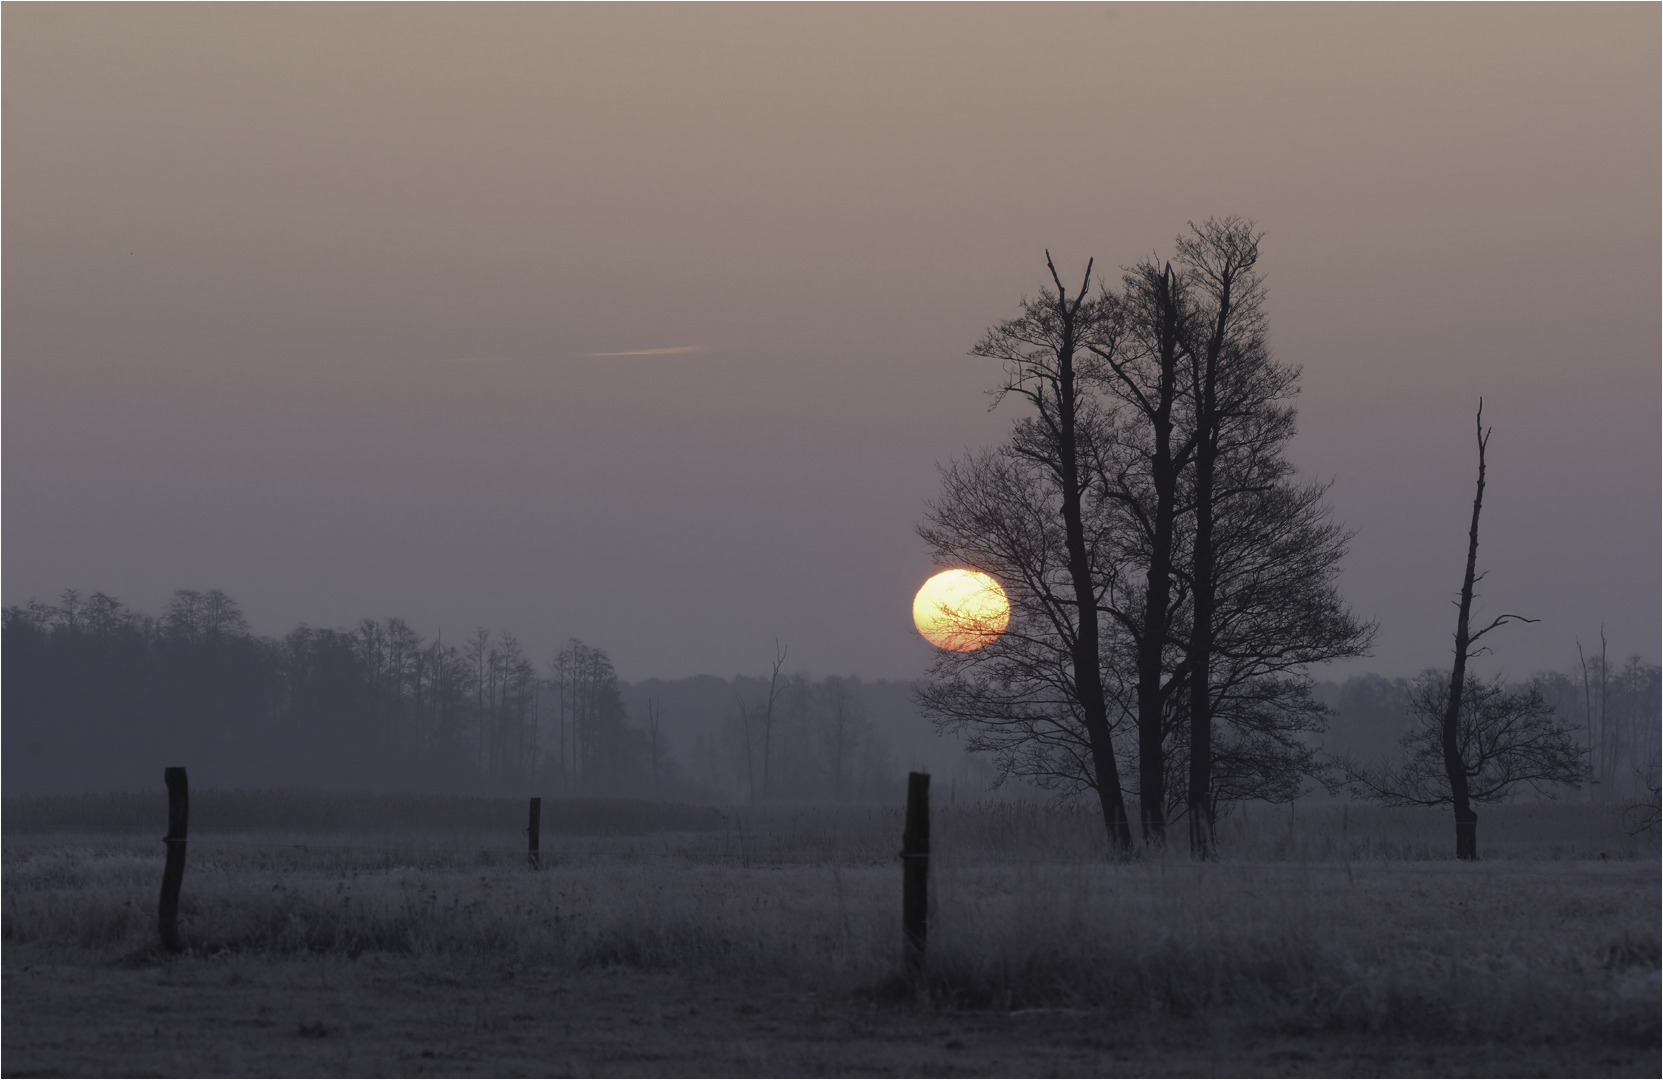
{"x":98,"y":696}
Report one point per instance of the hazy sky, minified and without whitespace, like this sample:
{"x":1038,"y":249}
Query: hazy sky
{"x":302,"y":301}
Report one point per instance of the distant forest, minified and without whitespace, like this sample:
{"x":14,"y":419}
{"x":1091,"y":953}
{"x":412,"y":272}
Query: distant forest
{"x":100,"y":697}
{"x":97,"y":696}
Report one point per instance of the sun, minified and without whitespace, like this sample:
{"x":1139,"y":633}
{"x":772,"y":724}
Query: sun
{"x":961,"y":610}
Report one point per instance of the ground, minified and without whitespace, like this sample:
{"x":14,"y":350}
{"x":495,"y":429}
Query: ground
{"x":380,"y":1016}
{"x":766,"y":942}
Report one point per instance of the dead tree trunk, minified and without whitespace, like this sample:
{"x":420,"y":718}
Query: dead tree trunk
{"x":1455,"y":766}
{"x":1466,"y":819}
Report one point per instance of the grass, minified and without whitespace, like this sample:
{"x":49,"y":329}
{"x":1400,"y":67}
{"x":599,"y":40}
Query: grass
{"x":1338,"y":920}
{"x":355,"y":811}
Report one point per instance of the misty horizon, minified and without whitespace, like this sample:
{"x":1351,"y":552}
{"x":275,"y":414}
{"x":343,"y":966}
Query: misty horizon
{"x":64,"y":739}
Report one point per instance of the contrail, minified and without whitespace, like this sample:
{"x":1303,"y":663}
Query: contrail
{"x":655,"y":352}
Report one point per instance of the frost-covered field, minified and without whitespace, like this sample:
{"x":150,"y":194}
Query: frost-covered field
{"x":1326,"y":936}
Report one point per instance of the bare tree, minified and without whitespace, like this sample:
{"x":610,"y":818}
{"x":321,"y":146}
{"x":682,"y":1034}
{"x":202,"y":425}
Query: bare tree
{"x":1503,"y":739}
{"x":775,"y":688}
{"x":1644,"y":813}
{"x":512,"y":677}
{"x":1276,"y":611}
{"x":600,"y":751}
{"x":69,"y":610}
{"x":750,"y":758}
{"x":203,"y":618}
{"x":844,"y":723}
{"x":1048,"y":362}
{"x":1588,"y":707}
{"x":765,"y":714}
{"x":1621,"y":732}
{"x":1479,"y":726}
{"x":1239,"y":424}
{"x":1215,"y":577}
{"x":1637,"y":692}
{"x":1141,"y":367}
{"x":1466,"y":820}
{"x":477,"y":649}
{"x":1620,"y":706}
{"x":1017,"y":698}
{"x":652,"y":735}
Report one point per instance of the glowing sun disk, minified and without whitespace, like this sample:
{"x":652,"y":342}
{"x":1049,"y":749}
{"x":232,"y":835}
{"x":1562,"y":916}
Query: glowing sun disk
{"x":961,"y":610}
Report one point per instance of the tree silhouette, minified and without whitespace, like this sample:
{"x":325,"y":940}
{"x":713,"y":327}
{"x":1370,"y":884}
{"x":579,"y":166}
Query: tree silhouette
{"x":1048,"y":364}
{"x":1503,"y":739}
{"x":1216,"y":578}
{"x":1474,"y":741}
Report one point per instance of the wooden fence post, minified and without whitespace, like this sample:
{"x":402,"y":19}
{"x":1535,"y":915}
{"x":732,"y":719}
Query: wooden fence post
{"x":915,"y":871}
{"x":173,"y":874}
{"x":533,"y":832}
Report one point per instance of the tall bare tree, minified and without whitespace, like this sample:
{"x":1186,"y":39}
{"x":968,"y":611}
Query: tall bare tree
{"x":1244,"y":506}
{"x":1141,"y":366}
{"x":1504,"y":738}
{"x":1466,"y":820}
{"x":1481,"y":731}
{"x":1049,"y":363}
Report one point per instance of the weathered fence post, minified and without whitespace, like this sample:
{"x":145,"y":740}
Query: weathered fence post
{"x":533,"y":832}
{"x":173,"y":874}
{"x":915,"y":870}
